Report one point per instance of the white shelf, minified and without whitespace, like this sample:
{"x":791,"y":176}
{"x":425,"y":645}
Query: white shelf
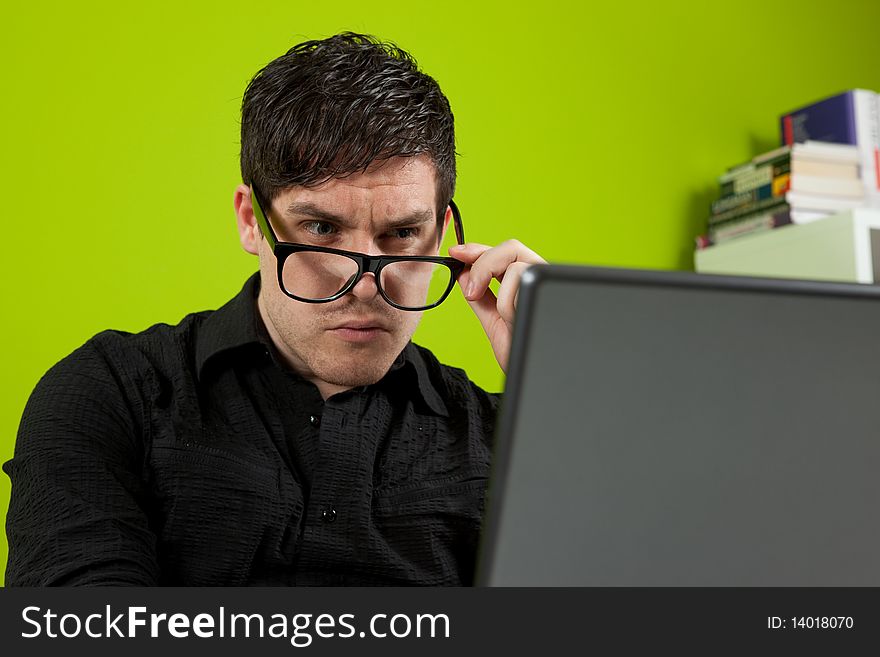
{"x":844,"y":247}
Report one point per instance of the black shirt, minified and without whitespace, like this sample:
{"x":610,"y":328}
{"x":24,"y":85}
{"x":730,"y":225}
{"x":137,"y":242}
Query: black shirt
{"x":186,"y":455}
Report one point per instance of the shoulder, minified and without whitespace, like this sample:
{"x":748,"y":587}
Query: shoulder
{"x":131,"y":356}
{"x":114,"y":370}
{"x":151,"y":347}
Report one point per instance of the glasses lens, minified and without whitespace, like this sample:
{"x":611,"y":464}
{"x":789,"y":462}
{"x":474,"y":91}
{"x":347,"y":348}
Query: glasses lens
{"x":315,"y":276}
{"x":414,"y":284}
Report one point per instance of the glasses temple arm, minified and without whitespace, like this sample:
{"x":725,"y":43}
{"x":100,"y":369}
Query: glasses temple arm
{"x":262,"y":221}
{"x":456,"y":222}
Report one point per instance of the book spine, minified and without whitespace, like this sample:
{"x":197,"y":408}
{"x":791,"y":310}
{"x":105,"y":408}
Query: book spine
{"x":702,"y":242}
{"x":867,"y":128}
{"x":787,"y":125}
{"x":830,"y":119}
{"x":822,"y":203}
{"x":825,"y":186}
{"x":741,"y":199}
{"x":746,"y":181}
{"x":852,"y":119}
{"x":780,"y":208}
{"x":749,"y":225}
{"x":843,"y":170}
{"x":746,"y":171}
{"x":769,"y":174}
{"x":746,"y":209}
{"x":808,"y":216}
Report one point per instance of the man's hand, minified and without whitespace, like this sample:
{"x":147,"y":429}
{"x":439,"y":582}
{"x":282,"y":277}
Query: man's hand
{"x":505,"y":262}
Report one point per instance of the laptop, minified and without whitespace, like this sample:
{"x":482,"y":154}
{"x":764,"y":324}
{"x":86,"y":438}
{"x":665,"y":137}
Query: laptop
{"x":680,"y":429}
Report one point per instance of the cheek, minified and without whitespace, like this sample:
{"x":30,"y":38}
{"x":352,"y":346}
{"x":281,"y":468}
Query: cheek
{"x":268,"y":277}
{"x":287,"y":315}
{"x":292,"y":318}
{"x":411,"y":322}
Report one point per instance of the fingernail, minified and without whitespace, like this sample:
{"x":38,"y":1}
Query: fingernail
{"x":470,"y":290}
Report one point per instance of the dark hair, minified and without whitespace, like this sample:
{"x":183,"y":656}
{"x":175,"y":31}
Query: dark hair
{"x":330,"y":108}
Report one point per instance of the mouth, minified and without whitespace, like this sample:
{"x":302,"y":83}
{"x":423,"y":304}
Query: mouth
{"x":358,"y":331}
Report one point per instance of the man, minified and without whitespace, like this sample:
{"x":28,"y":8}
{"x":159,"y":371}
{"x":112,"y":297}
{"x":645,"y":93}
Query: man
{"x":296,"y":435}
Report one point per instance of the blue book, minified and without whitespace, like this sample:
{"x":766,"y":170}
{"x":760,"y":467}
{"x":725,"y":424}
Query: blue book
{"x":851,"y":117}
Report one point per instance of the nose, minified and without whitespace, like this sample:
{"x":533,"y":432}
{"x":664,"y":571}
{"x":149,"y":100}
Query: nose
{"x":365,"y":289}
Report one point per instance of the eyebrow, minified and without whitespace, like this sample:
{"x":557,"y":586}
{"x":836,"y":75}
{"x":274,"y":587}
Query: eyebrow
{"x":315,"y":212}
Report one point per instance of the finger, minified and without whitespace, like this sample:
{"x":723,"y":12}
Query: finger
{"x":508,"y":291}
{"x":468,"y":253}
{"x":486,"y":307}
{"x":496,"y":329}
{"x":493,"y":263}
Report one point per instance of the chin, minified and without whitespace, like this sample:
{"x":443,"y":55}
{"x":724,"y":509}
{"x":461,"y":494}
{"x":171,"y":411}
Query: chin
{"x":355,"y":366}
{"x":352,"y":375}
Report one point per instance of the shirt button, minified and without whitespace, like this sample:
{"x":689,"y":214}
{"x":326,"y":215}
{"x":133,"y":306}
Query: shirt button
{"x":329,"y":515}
{"x":315,"y":420}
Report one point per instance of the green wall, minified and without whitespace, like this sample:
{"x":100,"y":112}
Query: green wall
{"x":592,"y":134}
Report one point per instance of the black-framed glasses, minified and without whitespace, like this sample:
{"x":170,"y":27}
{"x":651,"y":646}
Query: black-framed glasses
{"x":320,"y":274}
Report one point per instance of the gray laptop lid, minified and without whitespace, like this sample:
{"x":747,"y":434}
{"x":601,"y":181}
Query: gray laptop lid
{"x":675,"y":429}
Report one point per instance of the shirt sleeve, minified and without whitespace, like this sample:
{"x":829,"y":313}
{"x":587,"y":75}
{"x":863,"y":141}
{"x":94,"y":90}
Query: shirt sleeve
{"x":76,"y":514}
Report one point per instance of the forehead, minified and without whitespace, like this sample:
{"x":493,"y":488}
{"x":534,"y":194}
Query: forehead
{"x":399,"y":184}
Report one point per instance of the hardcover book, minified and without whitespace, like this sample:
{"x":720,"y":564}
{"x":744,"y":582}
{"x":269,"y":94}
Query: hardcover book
{"x":852,"y":117}
{"x":814,"y":168}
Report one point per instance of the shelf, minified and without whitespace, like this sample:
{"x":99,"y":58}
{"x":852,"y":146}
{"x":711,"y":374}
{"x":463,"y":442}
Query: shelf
{"x":844,"y":247}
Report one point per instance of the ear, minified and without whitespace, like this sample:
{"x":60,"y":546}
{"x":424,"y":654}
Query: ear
{"x":248,"y":232}
{"x":446,"y":219}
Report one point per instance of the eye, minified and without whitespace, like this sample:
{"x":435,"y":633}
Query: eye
{"x":319,"y":228}
{"x":405,"y":233}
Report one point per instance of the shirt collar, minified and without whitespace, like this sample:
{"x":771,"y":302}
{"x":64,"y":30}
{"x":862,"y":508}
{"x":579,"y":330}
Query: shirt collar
{"x":237,"y":324}
{"x":231,"y":326}
{"x":412,"y":363}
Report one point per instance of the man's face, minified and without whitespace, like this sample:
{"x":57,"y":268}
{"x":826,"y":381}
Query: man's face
{"x":389,"y":209}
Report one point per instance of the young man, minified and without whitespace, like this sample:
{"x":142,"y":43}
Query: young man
{"x":295,"y":435}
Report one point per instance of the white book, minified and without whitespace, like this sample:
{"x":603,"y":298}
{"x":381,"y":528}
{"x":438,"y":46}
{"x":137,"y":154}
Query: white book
{"x":826,"y":168}
{"x":826,"y":186}
{"x":807,"y":216}
{"x":825,"y":150}
{"x":816,"y":202}
{"x":867,"y":117}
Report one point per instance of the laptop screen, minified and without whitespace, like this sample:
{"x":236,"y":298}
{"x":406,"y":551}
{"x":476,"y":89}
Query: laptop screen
{"x":675,"y":429}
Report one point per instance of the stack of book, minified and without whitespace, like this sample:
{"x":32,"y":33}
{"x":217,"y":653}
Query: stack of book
{"x":829,"y":162}
{"x":792,"y":184}
{"x":852,"y":117}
